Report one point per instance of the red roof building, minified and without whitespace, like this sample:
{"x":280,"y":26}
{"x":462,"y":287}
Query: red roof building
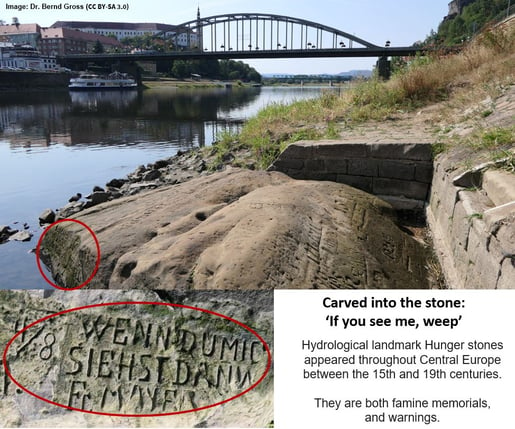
{"x":61,"y":41}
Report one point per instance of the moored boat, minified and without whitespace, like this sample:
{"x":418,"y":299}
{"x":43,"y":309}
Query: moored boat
{"x":90,"y":81}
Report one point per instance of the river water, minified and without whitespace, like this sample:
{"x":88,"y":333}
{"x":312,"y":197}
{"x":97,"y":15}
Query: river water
{"x":55,"y":144}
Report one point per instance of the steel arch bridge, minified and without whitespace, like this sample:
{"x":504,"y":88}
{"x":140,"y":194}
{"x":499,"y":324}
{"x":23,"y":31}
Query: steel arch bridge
{"x":248,"y":32}
{"x":251,"y":36}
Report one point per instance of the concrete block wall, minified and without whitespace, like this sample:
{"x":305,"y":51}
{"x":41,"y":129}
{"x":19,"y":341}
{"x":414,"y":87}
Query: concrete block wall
{"x":397,"y":172}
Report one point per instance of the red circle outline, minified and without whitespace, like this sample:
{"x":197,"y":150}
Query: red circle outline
{"x":38,"y":250}
{"x":267,"y":369}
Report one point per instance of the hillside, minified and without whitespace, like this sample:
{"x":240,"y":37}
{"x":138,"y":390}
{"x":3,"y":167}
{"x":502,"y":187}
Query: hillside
{"x":466,"y":19}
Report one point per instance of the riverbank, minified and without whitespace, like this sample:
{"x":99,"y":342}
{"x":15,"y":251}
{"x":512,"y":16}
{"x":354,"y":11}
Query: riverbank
{"x":469,"y":122}
{"x":33,"y":80}
{"x":158,"y":82}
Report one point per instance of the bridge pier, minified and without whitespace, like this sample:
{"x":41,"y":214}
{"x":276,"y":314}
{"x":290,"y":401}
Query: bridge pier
{"x":384,"y":68}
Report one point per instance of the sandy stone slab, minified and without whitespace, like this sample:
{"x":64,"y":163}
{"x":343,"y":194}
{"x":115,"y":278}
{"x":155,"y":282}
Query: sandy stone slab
{"x":246,"y":230}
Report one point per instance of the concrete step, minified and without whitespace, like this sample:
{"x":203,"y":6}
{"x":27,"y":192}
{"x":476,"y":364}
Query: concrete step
{"x":499,"y":185}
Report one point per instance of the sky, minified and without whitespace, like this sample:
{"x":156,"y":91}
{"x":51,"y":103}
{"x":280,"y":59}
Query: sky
{"x":403,"y":22}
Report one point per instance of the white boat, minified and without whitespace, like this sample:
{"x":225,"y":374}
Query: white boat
{"x":90,"y":81}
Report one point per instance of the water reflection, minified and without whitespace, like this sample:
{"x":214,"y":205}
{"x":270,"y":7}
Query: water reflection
{"x":118,"y":117}
{"x":55,"y":144}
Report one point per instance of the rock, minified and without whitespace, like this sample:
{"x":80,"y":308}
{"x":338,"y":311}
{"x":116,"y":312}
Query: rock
{"x":47,"y":216}
{"x":151,"y":175}
{"x":228,"y":157}
{"x":98,"y":197}
{"x":116,"y":183}
{"x":75,"y":198}
{"x":140,"y":170}
{"x":139,"y":186}
{"x":201,"y":167}
{"x":21,"y":236}
{"x":115,"y":194}
{"x":162,"y":163}
{"x":70,"y":209}
{"x":98,"y":189}
{"x":6,"y":232}
{"x":246,"y":230}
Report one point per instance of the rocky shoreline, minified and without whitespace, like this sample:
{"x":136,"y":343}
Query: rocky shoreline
{"x":179,"y":168}
{"x":8,"y":233}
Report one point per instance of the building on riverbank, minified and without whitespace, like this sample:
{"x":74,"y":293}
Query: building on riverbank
{"x":122,"y":30}
{"x":23,"y":34}
{"x":62,"y":41}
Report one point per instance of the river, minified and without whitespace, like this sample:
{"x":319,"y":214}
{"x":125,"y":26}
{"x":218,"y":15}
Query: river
{"x":55,"y":144}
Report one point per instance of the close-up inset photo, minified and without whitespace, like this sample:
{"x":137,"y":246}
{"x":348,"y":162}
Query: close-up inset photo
{"x":116,"y":359}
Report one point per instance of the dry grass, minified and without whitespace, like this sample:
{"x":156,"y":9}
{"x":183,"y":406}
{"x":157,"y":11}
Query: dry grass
{"x":482,"y":68}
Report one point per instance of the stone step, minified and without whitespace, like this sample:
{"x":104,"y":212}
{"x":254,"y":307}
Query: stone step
{"x":499,"y":186}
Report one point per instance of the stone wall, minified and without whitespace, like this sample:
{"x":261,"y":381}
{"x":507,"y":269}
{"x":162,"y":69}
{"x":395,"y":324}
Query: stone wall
{"x":471,"y":213}
{"x":396,"y":172}
{"x":472,"y":217}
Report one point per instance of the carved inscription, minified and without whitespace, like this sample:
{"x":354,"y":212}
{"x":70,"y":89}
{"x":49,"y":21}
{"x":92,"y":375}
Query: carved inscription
{"x":136,"y":362}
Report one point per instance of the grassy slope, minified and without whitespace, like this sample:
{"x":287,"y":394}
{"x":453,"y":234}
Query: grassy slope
{"x":450,"y":82}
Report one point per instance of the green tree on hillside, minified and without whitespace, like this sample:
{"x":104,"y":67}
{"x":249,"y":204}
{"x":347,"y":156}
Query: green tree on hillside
{"x":472,"y":19}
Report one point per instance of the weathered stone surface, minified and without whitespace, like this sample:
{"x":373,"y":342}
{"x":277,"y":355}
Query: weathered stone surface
{"x":334,"y":149}
{"x":137,"y":358}
{"x":423,"y":173}
{"x":247,"y":230}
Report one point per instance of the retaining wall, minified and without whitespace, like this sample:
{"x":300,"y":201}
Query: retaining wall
{"x":471,"y":215}
{"x":399,"y":173}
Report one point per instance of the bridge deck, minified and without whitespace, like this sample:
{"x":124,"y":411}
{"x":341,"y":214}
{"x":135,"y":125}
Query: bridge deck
{"x":290,"y":53}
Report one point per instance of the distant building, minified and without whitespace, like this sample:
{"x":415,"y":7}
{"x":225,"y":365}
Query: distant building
{"x":22,"y":34}
{"x":61,"y":41}
{"x":122,"y":30}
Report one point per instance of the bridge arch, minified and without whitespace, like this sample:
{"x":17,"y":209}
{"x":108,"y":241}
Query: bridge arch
{"x":240,"y":32}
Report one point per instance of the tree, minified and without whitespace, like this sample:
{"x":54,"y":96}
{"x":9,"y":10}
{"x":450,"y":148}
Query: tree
{"x":98,"y":48}
{"x":472,"y":19}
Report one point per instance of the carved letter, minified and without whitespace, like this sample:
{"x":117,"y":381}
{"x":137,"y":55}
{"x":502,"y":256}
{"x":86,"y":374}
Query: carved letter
{"x":185,"y":369}
{"x":76,"y":360}
{"x":119,"y":330}
{"x":102,"y":362}
{"x":95,"y":327}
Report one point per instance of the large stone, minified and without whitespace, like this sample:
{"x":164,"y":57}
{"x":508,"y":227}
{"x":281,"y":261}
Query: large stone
{"x":499,"y":186}
{"x":21,"y":236}
{"x":243,"y":230}
{"x":47,"y":216}
{"x":98,"y":197}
